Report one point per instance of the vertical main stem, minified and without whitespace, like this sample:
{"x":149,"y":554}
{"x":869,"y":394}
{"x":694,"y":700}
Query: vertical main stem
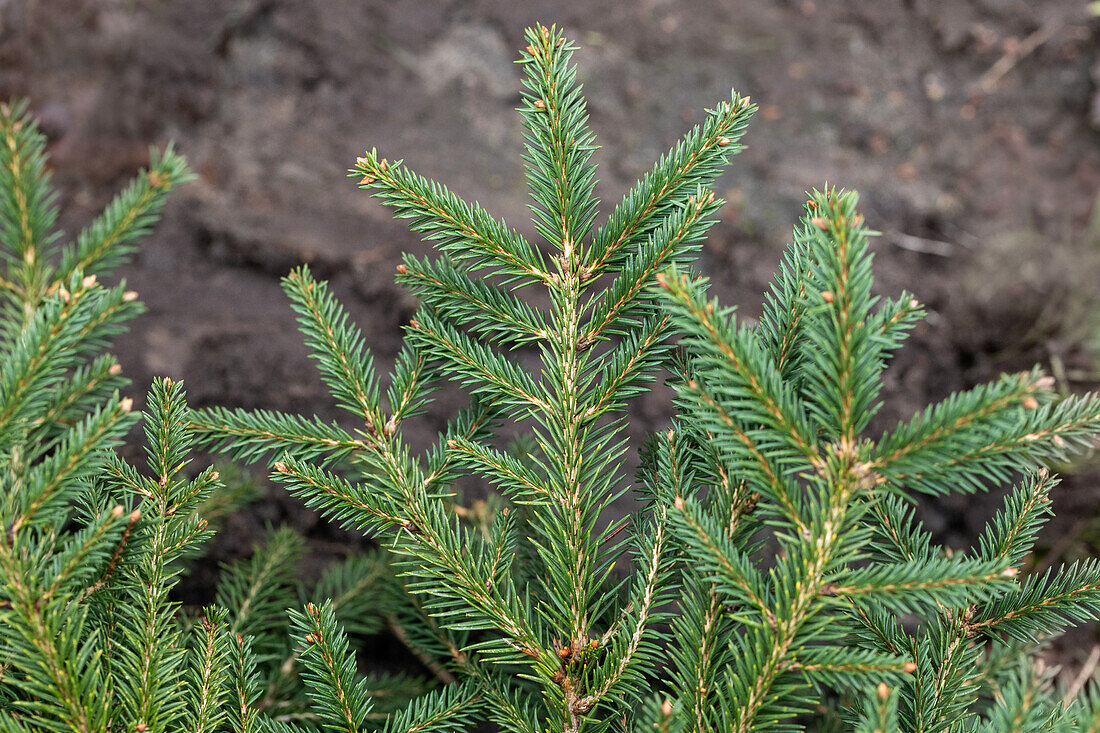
{"x":573,"y":494}
{"x":573,"y":445}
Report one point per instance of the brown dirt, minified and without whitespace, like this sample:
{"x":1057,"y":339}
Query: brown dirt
{"x":966,"y":125}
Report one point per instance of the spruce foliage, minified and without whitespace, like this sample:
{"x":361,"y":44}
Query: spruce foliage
{"x":774,"y":567}
{"x":772,"y":577}
{"x":90,"y":545}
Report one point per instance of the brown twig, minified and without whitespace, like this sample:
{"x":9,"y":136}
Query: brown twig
{"x":987,"y":82}
{"x":1084,"y":675}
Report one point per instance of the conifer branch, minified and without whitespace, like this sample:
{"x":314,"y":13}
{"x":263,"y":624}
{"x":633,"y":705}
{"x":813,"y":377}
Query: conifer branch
{"x":559,"y":144}
{"x":110,"y":239}
{"x":843,"y":379}
{"x":329,"y":671}
{"x":1013,"y":530}
{"x":684,"y":226}
{"x":626,"y":366}
{"x":879,"y":627}
{"x":248,"y":435}
{"x":801,"y":590}
{"x":761,"y":468}
{"x":514,"y":477}
{"x":209,"y":672}
{"x":64,"y":685}
{"x":723,"y":565}
{"x":895,"y":319}
{"x":700,"y":627}
{"x":255,"y":593}
{"x":892,"y":516}
{"x":465,"y":232}
{"x":484,"y":371}
{"x":1044,"y":604}
{"x":953,"y":439}
{"x":418,"y":536}
{"x":880,"y":713}
{"x":470,"y":425}
{"x":785,"y":306}
{"x":696,"y":160}
{"x":77,"y":455}
{"x":75,"y":591}
{"x":116,"y":556}
{"x":634,"y":647}
{"x":28,"y":207}
{"x":450,"y":708}
{"x":244,"y":686}
{"x":337,"y":346}
{"x":458,"y":297}
{"x":333,"y":495}
{"x":768,"y":399}
{"x":74,"y":563}
{"x":44,"y":351}
{"x":409,"y":387}
{"x":939,"y":582}
{"x":88,"y":385}
{"x":942,"y":682}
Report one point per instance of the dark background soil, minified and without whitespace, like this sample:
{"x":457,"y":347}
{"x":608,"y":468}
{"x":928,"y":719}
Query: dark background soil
{"x":968,"y":126}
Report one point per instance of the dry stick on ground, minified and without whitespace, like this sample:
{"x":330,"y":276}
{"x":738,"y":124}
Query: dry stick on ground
{"x":987,"y":82}
{"x":1084,"y":675}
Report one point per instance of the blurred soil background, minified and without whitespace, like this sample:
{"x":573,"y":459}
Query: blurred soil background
{"x":969,"y":126}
